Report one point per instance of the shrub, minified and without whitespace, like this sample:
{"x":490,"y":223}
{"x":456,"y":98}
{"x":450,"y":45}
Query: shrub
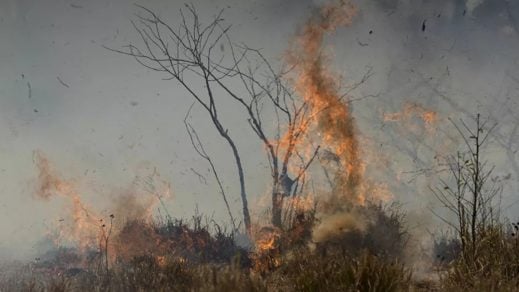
{"x":340,"y":272}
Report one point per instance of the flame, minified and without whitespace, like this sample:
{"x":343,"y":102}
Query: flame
{"x":319,"y":88}
{"x":84,"y":229}
{"x":87,"y":229}
{"x":161,"y":261}
{"x":410,"y":111}
{"x":332,"y":124}
{"x":267,"y":254}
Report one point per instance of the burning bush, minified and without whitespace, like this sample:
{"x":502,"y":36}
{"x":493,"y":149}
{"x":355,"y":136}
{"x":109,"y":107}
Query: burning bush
{"x":175,"y":238}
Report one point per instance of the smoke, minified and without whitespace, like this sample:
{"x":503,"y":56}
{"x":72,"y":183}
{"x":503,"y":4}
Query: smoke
{"x":82,"y":225}
{"x":464,"y":61}
{"x":336,"y":225}
{"x":82,"y":222}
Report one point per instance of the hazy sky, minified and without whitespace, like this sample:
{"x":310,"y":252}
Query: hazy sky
{"x":102,"y":119}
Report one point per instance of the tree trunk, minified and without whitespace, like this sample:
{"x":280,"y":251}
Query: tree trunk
{"x":277,"y":204}
{"x":282,"y":188}
{"x":243,"y":193}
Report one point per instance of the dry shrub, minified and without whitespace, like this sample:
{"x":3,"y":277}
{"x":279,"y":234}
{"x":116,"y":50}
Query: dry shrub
{"x":193,"y":242}
{"x":494,"y":266}
{"x":383,"y":233}
{"x":177,"y":256}
{"x":340,"y":272}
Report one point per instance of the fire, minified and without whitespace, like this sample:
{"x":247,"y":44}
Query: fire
{"x":84,"y":230}
{"x":410,"y":111}
{"x":267,"y":242}
{"x":161,"y":261}
{"x":331,"y":125}
{"x":267,"y":254}
{"x":319,"y":88}
{"x":84,"y":227}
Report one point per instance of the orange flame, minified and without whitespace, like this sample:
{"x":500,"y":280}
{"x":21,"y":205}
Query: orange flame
{"x":85,"y":228}
{"x":319,"y":89}
{"x":410,"y":111}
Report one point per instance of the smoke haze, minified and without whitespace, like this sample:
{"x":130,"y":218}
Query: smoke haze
{"x":102,"y":120}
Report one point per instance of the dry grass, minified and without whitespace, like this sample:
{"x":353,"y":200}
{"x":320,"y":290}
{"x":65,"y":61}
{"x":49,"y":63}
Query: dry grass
{"x":195,"y":261}
{"x":338,"y":271}
{"x":190,"y":258}
{"x":494,"y":266}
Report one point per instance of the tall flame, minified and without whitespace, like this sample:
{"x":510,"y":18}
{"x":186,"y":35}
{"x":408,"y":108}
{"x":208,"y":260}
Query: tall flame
{"x":334,"y":123}
{"x":319,"y":89}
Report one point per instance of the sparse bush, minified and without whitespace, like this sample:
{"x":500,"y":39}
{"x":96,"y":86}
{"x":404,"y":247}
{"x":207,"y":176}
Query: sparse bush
{"x":485,"y":254}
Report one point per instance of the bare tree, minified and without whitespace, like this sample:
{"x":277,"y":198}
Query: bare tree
{"x":471,"y":193}
{"x":196,"y":51}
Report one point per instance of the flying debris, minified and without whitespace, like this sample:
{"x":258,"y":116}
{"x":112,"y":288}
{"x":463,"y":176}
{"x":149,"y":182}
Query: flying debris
{"x":29,"y":87}
{"x":361,"y":43}
{"x":424,"y":24}
{"x":62,"y":83}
